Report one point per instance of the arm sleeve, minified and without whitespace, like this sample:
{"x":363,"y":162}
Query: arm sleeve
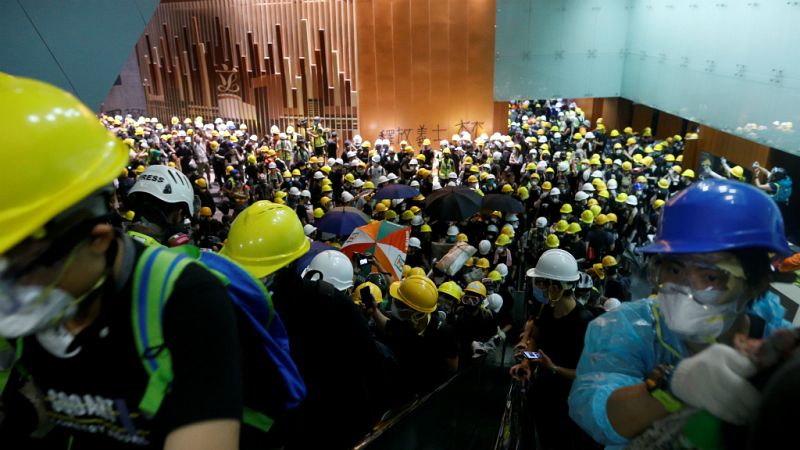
{"x":615,"y":355}
{"x":200,"y":332}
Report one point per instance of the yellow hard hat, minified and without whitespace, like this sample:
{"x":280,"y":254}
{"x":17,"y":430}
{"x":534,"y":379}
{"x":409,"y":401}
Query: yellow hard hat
{"x":507,"y":189}
{"x":551,"y":241}
{"x":658,"y":203}
{"x":61,"y":156}
{"x":474,"y":169}
{"x":628,"y":130}
{"x":470,"y":262}
{"x":502,"y":240}
{"x":738,"y":172}
{"x":380,"y":207}
{"x":638,"y":158}
{"x":417,"y":292}
{"x":495,"y":276}
{"x":415,"y":209}
{"x":522,"y":192}
{"x":630,"y":141}
{"x":546,"y":186}
{"x":369,"y":185}
{"x":663,"y":183}
{"x":472,"y":179}
{"x":566,"y":208}
{"x":452,"y":289}
{"x":573,"y":228}
{"x":477,"y":288}
{"x":390,"y":215}
{"x":669,"y":158}
{"x":614,"y":133}
{"x":677,"y":169}
{"x":508,"y":230}
{"x":587,"y":217}
{"x":228,"y":170}
{"x":461,"y":237}
{"x":251,"y":159}
{"x":265,"y":237}
{"x":425,"y":228}
{"x":296,"y":173}
{"x":349,"y":178}
{"x":612,"y":217}
{"x":326,"y":188}
{"x":326,"y":169}
{"x":591,"y":202}
{"x":421,"y":157}
{"x":482,"y":263}
{"x":130,"y":215}
{"x":609,"y":261}
{"x":627,"y":166}
{"x":407,"y":215}
{"x":286,"y":174}
{"x":377,"y":296}
{"x":561,"y":226}
{"x":601,"y":219}
{"x":205,"y":211}
{"x":679,"y":158}
{"x":416,"y":271}
{"x":426,"y":141}
{"x":621,"y":197}
{"x":604,"y":193}
{"x":318,"y":213}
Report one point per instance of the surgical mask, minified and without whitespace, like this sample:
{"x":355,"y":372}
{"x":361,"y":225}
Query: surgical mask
{"x":539,"y":296}
{"x":693,"y":315}
{"x":57,"y":340}
{"x":417,"y":319}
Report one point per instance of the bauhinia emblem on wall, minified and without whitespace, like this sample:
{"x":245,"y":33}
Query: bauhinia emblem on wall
{"x":228,"y":90}
{"x":228,"y":80}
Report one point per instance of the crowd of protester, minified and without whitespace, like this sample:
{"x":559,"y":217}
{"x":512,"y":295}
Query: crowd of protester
{"x":365,"y":343}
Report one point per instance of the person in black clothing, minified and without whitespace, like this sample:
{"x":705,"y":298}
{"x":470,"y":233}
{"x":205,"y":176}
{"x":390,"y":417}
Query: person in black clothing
{"x":426,"y":349}
{"x":342,"y":402}
{"x":600,"y":239}
{"x":79,"y":374}
{"x":556,"y":333}
{"x":472,"y":323}
{"x":616,"y":285}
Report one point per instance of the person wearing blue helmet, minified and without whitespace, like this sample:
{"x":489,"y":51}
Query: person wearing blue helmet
{"x":651,"y":358}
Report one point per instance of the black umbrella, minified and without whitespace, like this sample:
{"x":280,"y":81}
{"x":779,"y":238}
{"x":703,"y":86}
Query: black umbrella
{"x":453,"y":203}
{"x":503,"y":203}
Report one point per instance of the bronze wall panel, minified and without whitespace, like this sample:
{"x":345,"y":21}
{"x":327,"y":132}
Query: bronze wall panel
{"x":425,"y":68}
{"x":241,"y":60}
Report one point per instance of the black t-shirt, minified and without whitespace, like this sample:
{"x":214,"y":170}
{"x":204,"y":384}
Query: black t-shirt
{"x":93,"y":397}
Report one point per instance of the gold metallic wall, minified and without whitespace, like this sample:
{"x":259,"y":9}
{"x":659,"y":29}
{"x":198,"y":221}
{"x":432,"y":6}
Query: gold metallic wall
{"x":425,"y":68}
{"x":261,"y":62}
{"x":400,"y":69}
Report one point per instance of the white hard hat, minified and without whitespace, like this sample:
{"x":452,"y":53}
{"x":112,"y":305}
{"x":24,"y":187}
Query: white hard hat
{"x":555,"y":191}
{"x":597,"y":174}
{"x":542,"y":139}
{"x":612,"y":184}
{"x":563,"y":166}
{"x":392,"y":176}
{"x":414,"y":183}
{"x":589,"y":135}
{"x":338,"y":161}
{"x":347,"y":197}
{"x":308,"y":229}
{"x":331,"y":161}
{"x":382,"y":179}
{"x":541,"y":222}
{"x":484,"y":247}
{"x":503,"y":269}
{"x":555,"y":264}
{"x":436,"y":186}
{"x":294,"y":190}
{"x":335,"y":267}
{"x":272,"y":165}
{"x":443,"y":143}
{"x":167,"y":185}
{"x":358,"y":183}
{"x":541,"y":165}
{"x":453,"y":176}
{"x":581,"y":196}
{"x":357,"y":139}
{"x":611,"y":303}
{"x":417,"y":221}
{"x":414,"y":242}
{"x":588,"y":187}
{"x":254,"y":138}
{"x":283,"y":136}
{"x":318,"y":175}
{"x":452,"y":230}
{"x":376,"y":159}
{"x":413,"y":162}
{"x":492,"y":228}
{"x":631,"y":200}
{"x":495,"y":302}
{"x":556,"y":135}
{"x":618,"y":162}
{"x":351,"y":154}
{"x":305,"y":193}
{"x":497,"y":156}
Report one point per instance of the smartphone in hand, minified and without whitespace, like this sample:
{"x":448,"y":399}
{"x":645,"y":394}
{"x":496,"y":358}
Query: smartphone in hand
{"x":532,"y":355}
{"x":366,"y":298}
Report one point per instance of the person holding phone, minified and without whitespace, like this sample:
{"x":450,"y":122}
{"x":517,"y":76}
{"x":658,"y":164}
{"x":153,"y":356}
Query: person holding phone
{"x":648,"y":359}
{"x":551,"y":346}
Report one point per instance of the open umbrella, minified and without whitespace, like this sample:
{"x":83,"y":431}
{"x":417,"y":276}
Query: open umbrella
{"x":396,"y":191}
{"x":316,"y":248}
{"x":385,"y":241}
{"x":341,"y":221}
{"x":503,"y":203}
{"x":453,"y":203}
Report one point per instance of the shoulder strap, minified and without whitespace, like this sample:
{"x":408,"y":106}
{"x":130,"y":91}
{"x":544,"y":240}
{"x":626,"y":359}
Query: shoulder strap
{"x":154,"y":278}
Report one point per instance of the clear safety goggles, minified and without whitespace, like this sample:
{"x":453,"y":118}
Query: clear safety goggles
{"x":708,"y":281}
{"x":471,"y":300}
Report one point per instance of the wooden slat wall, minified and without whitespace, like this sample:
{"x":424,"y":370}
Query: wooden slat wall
{"x":425,"y":68}
{"x":287,"y":58}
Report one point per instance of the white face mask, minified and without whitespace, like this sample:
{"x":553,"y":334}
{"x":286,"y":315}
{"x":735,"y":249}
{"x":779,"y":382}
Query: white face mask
{"x":691,"y":320}
{"x":57,"y":340}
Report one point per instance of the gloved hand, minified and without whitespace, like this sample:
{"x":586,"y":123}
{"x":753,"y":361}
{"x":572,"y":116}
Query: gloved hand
{"x":481,"y":348}
{"x":716,"y":380}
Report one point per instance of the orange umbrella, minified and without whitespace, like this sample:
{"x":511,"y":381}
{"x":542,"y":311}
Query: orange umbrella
{"x":385,"y":241}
